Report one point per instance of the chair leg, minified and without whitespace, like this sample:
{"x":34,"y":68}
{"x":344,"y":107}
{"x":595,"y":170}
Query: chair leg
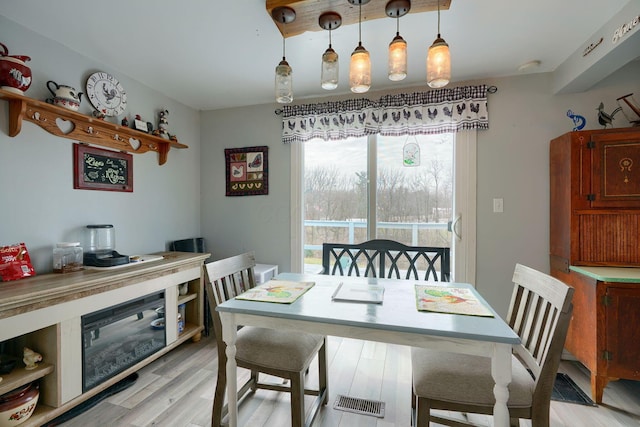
{"x":423,"y":414}
{"x":322,"y":372}
{"x":254,"y":380}
{"x":297,"y":400}
{"x":540,"y":418}
{"x":218,"y":399}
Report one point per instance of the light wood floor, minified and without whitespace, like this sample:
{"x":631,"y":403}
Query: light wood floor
{"x":177,"y":391}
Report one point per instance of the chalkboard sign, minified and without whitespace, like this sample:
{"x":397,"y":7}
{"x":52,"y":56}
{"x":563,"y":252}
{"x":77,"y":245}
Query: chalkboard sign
{"x":99,"y":169}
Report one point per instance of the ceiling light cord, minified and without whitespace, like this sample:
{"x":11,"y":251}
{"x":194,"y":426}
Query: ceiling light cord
{"x":438,"y":18}
{"x":360,"y":24}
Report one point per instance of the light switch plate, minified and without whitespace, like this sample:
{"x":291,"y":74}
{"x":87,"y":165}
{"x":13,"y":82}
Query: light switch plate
{"x":498,"y":205}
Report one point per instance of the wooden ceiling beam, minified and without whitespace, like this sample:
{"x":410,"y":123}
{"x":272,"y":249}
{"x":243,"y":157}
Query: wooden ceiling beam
{"x":308,"y":12}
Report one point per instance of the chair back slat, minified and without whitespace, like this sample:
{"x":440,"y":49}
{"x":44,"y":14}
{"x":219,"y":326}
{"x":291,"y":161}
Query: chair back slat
{"x":539,"y":313}
{"x":387,"y":259}
{"x":229,"y":277}
{"x":531,"y":320}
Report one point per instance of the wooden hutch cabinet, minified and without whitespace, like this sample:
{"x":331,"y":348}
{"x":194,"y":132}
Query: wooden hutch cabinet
{"x":594,"y":232}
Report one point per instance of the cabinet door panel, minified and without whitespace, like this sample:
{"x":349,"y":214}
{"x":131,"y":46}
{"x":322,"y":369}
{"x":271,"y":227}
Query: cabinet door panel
{"x":615,"y":170}
{"x":608,"y":239}
{"x":623,"y":334}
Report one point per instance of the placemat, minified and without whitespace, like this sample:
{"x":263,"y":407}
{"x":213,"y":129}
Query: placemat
{"x":279,"y":291}
{"x":443,"y":299}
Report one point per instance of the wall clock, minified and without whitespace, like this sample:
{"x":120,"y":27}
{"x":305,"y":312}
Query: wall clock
{"x":106,"y":94}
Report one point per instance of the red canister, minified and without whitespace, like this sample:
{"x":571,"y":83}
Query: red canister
{"x":18,"y":405}
{"x":15,"y":76}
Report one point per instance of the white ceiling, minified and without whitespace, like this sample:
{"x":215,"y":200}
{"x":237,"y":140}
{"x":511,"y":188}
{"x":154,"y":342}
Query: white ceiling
{"x":210,"y":54}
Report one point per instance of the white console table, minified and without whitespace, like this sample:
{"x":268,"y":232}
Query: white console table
{"x":44,"y":313}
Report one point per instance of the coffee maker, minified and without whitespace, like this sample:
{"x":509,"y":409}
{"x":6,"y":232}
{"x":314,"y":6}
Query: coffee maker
{"x":100,"y":247}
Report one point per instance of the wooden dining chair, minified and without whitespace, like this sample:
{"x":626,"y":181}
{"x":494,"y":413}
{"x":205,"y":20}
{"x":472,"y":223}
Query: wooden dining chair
{"x":283,"y":354}
{"x":388,"y":259}
{"x":539,"y":312}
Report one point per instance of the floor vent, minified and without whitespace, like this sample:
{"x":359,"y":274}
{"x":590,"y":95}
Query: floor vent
{"x":359,"y":406}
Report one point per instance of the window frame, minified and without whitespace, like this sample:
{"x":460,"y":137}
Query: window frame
{"x":464,"y":206}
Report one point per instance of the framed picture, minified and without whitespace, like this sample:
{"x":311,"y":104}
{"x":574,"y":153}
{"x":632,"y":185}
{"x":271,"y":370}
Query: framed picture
{"x":99,"y":169}
{"x":247,"y":171}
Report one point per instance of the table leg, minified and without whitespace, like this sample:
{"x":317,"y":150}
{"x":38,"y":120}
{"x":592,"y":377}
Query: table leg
{"x":229,"y":335}
{"x":501,"y":372}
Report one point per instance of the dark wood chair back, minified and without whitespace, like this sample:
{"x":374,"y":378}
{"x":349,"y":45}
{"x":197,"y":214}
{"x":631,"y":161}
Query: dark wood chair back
{"x":387,"y":259}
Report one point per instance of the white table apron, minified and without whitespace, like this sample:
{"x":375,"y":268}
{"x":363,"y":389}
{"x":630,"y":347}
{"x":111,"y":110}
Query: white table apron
{"x":499,"y":352}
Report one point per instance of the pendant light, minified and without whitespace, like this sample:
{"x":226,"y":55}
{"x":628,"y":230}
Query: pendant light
{"x":398,"y":46}
{"x":438,"y":61}
{"x":329,"y":75}
{"x":360,"y":69}
{"x":283,"y":81}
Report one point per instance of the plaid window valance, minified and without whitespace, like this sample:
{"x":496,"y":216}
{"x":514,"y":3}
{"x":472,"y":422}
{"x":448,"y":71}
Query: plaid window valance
{"x":419,"y":113}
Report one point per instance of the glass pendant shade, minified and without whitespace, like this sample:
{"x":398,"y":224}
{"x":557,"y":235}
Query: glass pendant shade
{"x":329,"y":75}
{"x":360,"y":70}
{"x":438,"y":64}
{"x":397,"y":58}
{"x":284,"y":83}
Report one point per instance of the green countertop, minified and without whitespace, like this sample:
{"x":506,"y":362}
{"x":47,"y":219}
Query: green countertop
{"x":610,"y":274}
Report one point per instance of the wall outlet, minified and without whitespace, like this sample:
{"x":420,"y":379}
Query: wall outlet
{"x":498,"y":205}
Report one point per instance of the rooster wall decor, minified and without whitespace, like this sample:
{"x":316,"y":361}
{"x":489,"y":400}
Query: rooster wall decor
{"x":606,"y":119}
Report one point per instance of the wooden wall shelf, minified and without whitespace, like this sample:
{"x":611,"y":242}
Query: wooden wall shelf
{"x":69,"y":124}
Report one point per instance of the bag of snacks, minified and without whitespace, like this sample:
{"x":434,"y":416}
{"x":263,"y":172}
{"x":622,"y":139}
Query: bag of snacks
{"x":15,"y":262}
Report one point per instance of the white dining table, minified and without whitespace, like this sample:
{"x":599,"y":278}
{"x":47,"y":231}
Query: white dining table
{"x":396,"y":320}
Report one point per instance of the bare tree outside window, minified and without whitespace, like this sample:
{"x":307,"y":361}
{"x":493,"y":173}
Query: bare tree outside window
{"x":414,"y":203}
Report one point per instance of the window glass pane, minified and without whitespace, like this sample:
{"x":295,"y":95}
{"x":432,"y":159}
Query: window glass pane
{"x":415,"y":189}
{"x":335,"y":195}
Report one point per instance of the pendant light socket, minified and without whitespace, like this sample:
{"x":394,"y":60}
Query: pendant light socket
{"x":283,"y":15}
{"x":397,"y":8}
{"x":358,"y":2}
{"x":330,"y":20}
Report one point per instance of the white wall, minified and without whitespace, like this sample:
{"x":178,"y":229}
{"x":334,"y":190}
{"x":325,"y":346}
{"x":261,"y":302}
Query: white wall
{"x":513,"y":157}
{"x":38,"y":204}
{"x":232,"y":225}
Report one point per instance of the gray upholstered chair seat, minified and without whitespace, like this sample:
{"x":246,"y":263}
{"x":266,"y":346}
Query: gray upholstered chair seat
{"x":466,"y":379}
{"x":275,"y":349}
